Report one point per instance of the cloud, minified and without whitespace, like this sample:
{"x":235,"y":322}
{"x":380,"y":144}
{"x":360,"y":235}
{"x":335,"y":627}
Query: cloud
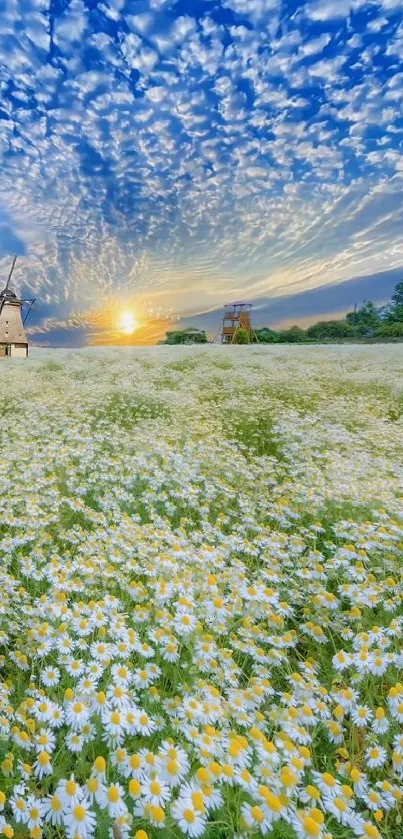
{"x":70,"y":26}
{"x":321,"y":10}
{"x":181,"y":159}
{"x":314,"y":46}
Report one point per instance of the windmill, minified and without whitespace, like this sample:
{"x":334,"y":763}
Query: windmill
{"x":237,"y":316}
{"x":13,"y":339}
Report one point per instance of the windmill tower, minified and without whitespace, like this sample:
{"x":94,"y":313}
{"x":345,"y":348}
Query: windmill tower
{"x":13,"y":340}
{"x":236,"y":316}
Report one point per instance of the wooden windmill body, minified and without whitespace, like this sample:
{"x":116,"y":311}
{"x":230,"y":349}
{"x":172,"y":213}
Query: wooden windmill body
{"x":13,"y":339}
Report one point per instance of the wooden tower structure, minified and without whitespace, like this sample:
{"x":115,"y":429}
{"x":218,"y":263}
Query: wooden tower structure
{"x":236,"y":316}
{"x":13,"y":339}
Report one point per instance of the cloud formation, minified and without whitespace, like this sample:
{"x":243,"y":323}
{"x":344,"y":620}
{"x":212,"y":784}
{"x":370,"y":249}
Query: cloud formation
{"x":178,"y":158}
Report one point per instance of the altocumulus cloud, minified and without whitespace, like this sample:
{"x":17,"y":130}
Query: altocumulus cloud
{"x":179,"y":154}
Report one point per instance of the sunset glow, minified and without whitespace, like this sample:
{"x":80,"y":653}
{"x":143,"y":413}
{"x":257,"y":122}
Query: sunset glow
{"x":128,"y":322}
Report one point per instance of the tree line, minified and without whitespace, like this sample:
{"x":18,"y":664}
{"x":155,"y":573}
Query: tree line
{"x":366,"y":323}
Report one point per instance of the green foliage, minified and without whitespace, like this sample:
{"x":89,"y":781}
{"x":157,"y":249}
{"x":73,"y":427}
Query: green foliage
{"x":266,"y":335}
{"x":330,"y":330}
{"x":190,"y":335}
{"x":242,"y":336}
{"x":295,"y":335}
{"x":396,"y":309}
{"x":365,"y":319}
{"x":391,"y":329}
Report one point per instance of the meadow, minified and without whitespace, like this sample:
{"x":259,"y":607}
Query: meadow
{"x":201,"y":593}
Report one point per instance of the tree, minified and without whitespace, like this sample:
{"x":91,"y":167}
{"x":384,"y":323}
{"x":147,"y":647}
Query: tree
{"x":291,"y":336}
{"x":393,"y":329}
{"x":266,"y":335}
{"x":186,"y":336}
{"x":242,"y":336}
{"x":396,"y":309}
{"x":330,"y":330}
{"x":365,"y":319}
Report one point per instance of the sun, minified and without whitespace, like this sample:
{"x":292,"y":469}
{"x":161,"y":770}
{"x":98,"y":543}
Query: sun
{"x":128,"y":322}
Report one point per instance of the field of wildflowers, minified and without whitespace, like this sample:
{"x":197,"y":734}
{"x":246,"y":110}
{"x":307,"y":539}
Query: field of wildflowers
{"x":201,"y":593}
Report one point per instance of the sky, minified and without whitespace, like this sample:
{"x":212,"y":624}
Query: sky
{"x":171,"y":157}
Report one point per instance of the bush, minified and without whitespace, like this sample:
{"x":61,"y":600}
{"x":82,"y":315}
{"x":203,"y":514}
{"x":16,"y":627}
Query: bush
{"x":266,"y":335}
{"x":292,"y":336}
{"x":330,"y":330}
{"x":391,"y":330}
{"x":242,"y":336}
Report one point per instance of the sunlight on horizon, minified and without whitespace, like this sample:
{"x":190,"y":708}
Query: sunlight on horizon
{"x":128,"y":322}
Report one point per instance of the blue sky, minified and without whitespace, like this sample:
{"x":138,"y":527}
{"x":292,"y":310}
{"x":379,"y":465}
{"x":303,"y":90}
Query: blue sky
{"x":177,"y":155}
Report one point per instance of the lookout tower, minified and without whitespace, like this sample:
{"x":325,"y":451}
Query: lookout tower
{"x":13,"y":340}
{"x":236,"y":316}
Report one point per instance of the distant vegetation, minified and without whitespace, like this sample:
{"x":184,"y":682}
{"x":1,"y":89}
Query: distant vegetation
{"x":365,"y":323}
{"x":186,"y":336}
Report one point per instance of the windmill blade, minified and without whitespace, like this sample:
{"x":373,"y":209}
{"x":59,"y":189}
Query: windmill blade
{"x":3,"y":293}
{"x":9,"y":276}
{"x":31,"y":303}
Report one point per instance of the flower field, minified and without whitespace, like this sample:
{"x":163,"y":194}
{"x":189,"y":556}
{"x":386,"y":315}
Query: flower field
{"x":201,"y":593}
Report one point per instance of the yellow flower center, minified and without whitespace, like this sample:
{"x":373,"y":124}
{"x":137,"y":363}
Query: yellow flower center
{"x":80,"y":813}
{"x":113,"y":794}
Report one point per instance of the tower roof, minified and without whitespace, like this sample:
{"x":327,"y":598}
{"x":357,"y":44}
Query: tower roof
{"x":7,"y":294}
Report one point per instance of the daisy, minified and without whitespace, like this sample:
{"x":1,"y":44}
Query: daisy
{"x":43,"y":711}
{"x":135,"y":788}
{"x":191,"y":822}
{"x":50,"y":676}
{"x":57,"y":717}
{"x":380,"y":723}
{"x":143,"y":678}
{"x":327,"y":784}
{"x":396,"y":710}
{"x":373,"y":800}
{"x":375,"y":756}
{"x":118,"y":697}
{"x":74,"y":742}
{"x":19,"y":805}
{"x":87,"y":732}
{"x":361,"y":715}
{"x":94,"y":790}
{"x":156,"y":814}
{"x":77,"y":714}
{"x":340,"y":809}
{"x":114,"y":723}
{"x":99,"y":768}
{"x":35,"y":813}
{"x":378,"y":665}
{"x":212,"y":797}
{"x":75,"y":667}
{"x":135,"y":766}
{"x":79,"y":819}
{"x":101,"y":651}
{"x":87,"y":684}
{"x":43,"y":765}
{"x":69,"y":792}
{"x":170,"y":651}
{"x":53,"y":809}
{"x":121,"y":674}
{"x":119,"y":758}
{"x":145,"y":724}
{"x":155,"y":791}
{"x":45,"y":740}
{"x":369,"y":831}
{"x":255,"y":817}
{"x":111,"y":798}
{"x":184,"y":624}
{"x":172,"y":769}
